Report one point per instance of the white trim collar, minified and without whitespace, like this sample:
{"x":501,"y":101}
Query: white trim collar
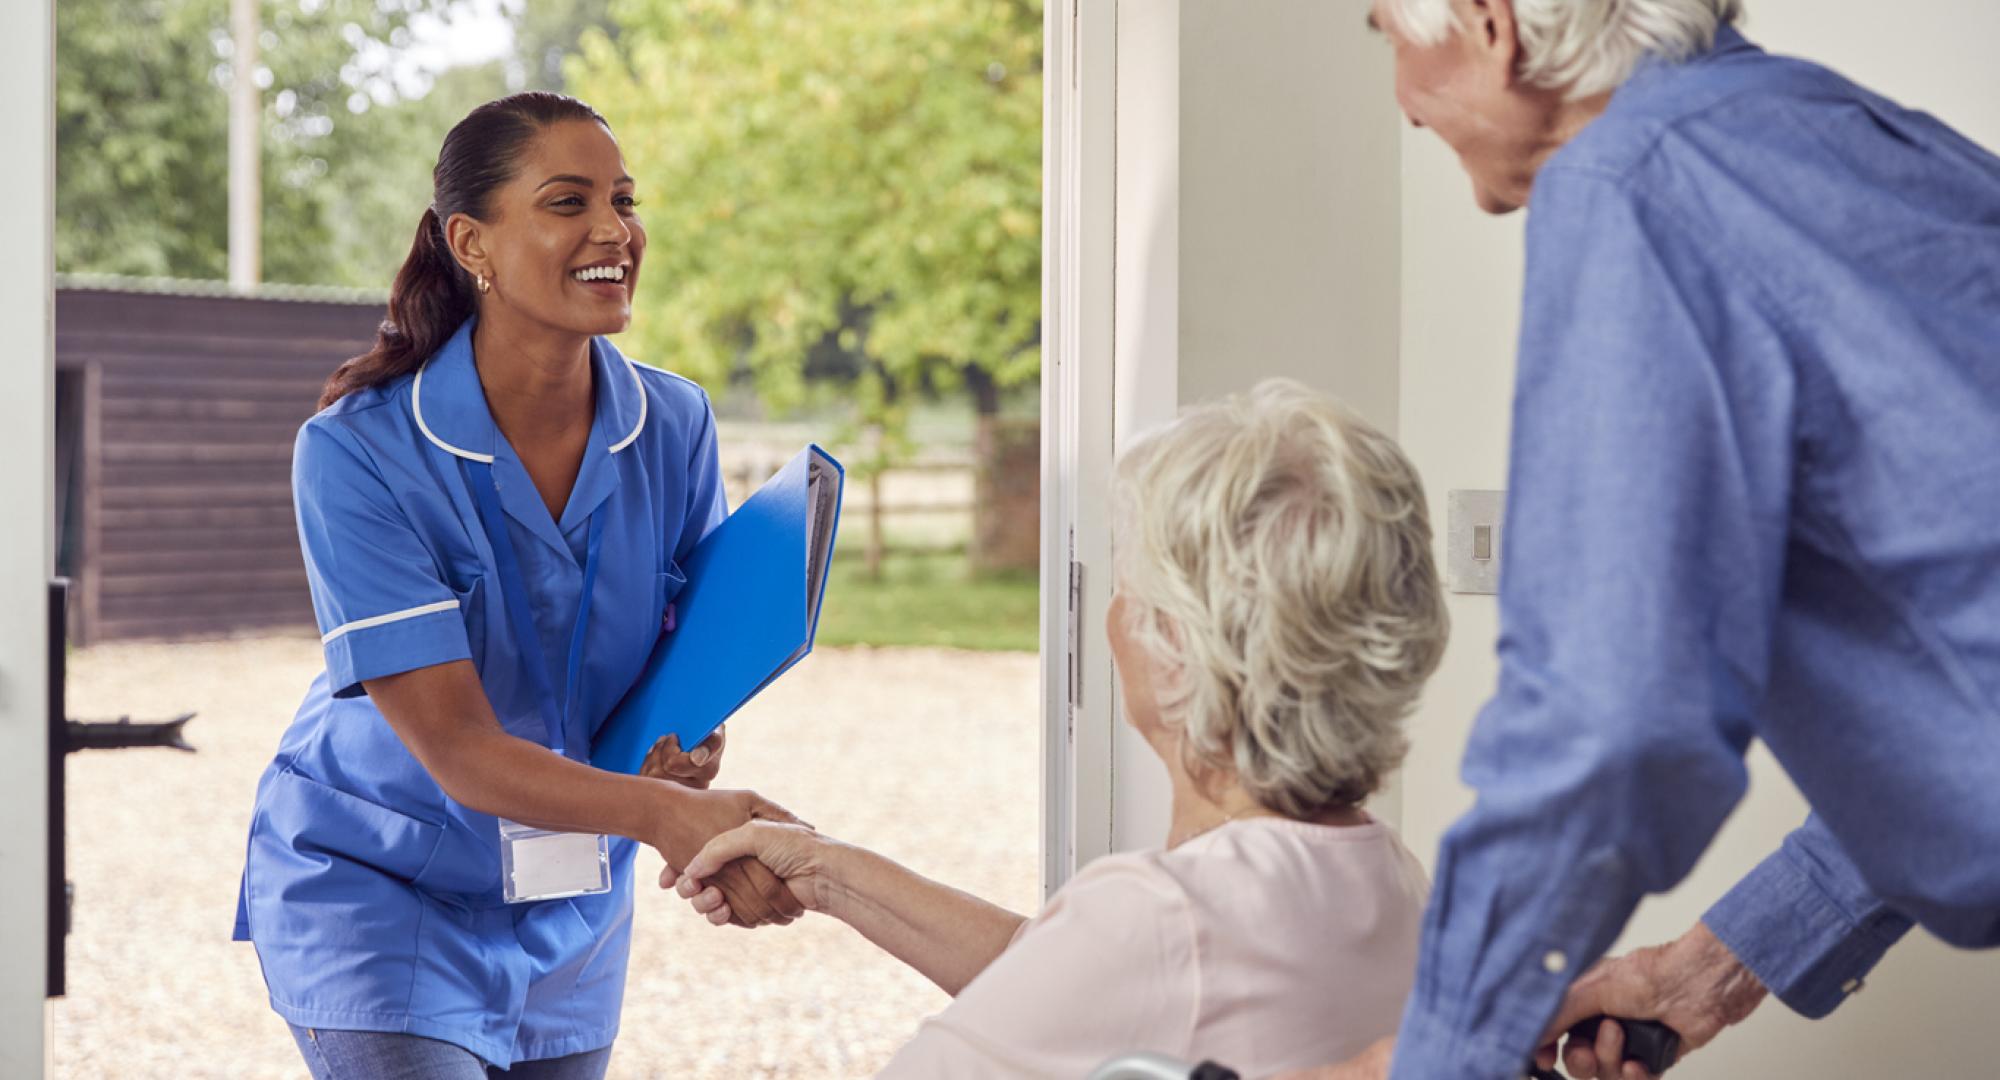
{"x":416,"y":409}
{"x":609,"y":401}
{"x":640,"y":385}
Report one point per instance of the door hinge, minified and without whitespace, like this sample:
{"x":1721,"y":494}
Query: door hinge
{"x":1075,"y":636}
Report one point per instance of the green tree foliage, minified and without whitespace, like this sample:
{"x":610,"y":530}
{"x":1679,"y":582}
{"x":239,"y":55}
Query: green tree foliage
{"x":138,"y":188}
{"x":377,"y":180}
{"x":142,"y":144}
{"x":855,"y":183}
{"x":548,"y":32}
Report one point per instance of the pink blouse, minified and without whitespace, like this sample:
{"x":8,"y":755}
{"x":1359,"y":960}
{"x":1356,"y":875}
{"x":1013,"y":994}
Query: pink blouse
{"x":1266,"y":944}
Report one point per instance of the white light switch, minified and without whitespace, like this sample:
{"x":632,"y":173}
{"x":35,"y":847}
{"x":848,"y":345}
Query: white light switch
{"x":1472,"y":540}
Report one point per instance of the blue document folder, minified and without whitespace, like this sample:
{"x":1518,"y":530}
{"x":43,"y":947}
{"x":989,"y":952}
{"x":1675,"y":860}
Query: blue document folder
{"x":747,"y":613}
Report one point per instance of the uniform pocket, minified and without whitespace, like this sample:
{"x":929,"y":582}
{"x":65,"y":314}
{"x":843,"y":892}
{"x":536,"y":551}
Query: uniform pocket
{"x":312,"y":818}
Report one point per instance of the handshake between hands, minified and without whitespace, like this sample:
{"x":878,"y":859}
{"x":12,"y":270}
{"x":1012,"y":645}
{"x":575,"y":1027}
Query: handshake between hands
{"x":737,"y":857}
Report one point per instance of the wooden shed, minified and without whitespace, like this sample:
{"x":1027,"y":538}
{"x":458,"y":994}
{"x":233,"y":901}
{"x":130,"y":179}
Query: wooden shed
{"x":176,"y":407}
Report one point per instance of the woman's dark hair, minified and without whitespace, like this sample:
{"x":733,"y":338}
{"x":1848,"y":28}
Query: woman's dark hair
{"x":433,"y":295}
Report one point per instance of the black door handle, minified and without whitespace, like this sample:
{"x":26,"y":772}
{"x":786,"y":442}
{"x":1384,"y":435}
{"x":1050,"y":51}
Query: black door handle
{"x":122,"y":734}
{"x":65,"y":737}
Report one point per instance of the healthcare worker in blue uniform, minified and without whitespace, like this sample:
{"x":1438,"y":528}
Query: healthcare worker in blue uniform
{"x":493,"y":505}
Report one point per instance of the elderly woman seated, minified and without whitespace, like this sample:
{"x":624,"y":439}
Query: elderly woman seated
{"x":1276,"y":614}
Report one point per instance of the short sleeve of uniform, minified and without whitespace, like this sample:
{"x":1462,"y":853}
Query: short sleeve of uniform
{"x":1108,"y":968}
{"x":382,"y":606}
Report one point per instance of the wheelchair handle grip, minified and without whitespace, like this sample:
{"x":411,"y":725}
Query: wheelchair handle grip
{"x":1648,"y":1042}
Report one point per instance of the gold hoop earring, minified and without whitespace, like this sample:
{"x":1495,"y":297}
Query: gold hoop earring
{"x":485,"y":286}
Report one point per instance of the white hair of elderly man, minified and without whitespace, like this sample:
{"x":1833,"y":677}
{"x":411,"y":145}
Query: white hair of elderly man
{"x":1584,"y":47}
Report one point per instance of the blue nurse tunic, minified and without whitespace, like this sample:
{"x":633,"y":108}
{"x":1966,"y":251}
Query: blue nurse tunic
{"x":373,"y":899}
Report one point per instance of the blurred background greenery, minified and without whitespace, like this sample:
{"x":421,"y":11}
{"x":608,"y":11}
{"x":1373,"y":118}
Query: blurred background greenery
{"x":844,"y":203}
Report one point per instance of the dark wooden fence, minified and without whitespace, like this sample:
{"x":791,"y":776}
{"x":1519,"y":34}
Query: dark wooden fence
{"x":177,"y":404}
{"x":176,"y":407}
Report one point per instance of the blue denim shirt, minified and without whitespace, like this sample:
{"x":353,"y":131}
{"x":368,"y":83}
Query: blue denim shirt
{"x":1755,"y":494}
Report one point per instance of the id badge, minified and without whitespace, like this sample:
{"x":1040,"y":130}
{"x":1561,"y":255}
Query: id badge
{"x":536,"y":864}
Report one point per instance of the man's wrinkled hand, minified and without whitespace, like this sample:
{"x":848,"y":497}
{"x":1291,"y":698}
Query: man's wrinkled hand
{"x":696,"y":768}
{"x":1372,"y":1064}
{"x":1694,"y":985}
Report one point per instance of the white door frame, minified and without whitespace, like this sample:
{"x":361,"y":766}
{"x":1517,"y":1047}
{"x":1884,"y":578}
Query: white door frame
{"x":1078,"y":174}
{"x":1111,"y":173}
{"x":27,"y":419}
{"x":1109,"y":331}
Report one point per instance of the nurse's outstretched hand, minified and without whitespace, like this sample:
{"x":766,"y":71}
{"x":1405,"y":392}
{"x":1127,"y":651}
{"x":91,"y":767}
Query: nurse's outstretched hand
{"x":696,"y":768}
{"x":689,"y":817}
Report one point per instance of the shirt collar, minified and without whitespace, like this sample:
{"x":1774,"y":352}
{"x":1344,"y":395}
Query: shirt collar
{"x":1729,"y":42}
{"x":449,"y":403}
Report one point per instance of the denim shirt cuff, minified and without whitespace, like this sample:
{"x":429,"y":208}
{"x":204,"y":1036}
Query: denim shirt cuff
{"x":1427,"y":1048}
{"x":1798,"y":942}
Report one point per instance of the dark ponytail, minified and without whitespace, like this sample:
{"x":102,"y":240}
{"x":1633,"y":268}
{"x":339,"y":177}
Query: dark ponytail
{"x":433,"y":295}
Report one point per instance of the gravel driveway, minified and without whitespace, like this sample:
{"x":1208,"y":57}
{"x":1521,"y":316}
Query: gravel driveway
{"x":926,"y":755}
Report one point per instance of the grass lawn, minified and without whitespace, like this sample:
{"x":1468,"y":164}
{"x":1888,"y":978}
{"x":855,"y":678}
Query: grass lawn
{"x":928,"y":600}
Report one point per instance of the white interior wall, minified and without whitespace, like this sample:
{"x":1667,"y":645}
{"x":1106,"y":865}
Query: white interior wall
{"x":1924,"y":1011}
{"x":27,"y":406}
{"x":1234,"y":125}
{"x":1146,"y":319}
{"x":1289,"y":233}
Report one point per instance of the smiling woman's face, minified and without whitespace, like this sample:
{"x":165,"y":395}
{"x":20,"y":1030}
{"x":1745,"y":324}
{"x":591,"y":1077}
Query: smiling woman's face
{"x":562,"y":241}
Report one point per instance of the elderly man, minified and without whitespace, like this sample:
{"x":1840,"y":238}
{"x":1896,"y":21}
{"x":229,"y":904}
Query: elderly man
{"x":1755,"y":494}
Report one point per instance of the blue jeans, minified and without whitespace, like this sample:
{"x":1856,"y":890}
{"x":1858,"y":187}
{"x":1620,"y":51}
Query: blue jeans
{"x":388,"y":1055}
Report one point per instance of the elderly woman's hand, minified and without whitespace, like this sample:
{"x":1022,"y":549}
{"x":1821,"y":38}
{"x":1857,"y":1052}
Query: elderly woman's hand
{"x":793,"y":851}
{"x":688,"y":819}
{"x":696,"y":768}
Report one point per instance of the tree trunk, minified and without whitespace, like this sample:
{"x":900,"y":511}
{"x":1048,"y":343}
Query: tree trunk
{"x":985,"y":438}
{"x":1007,"y":485}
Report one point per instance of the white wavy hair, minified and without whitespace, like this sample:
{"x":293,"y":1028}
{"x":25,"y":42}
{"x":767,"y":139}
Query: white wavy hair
{"x":1274,"y":555}
{"x":1584,"y":47}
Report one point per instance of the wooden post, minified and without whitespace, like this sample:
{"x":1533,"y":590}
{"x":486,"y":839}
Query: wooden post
{"x":875,"y":524}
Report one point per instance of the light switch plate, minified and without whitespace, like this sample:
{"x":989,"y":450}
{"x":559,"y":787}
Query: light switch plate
{"x":1472,"y":540}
